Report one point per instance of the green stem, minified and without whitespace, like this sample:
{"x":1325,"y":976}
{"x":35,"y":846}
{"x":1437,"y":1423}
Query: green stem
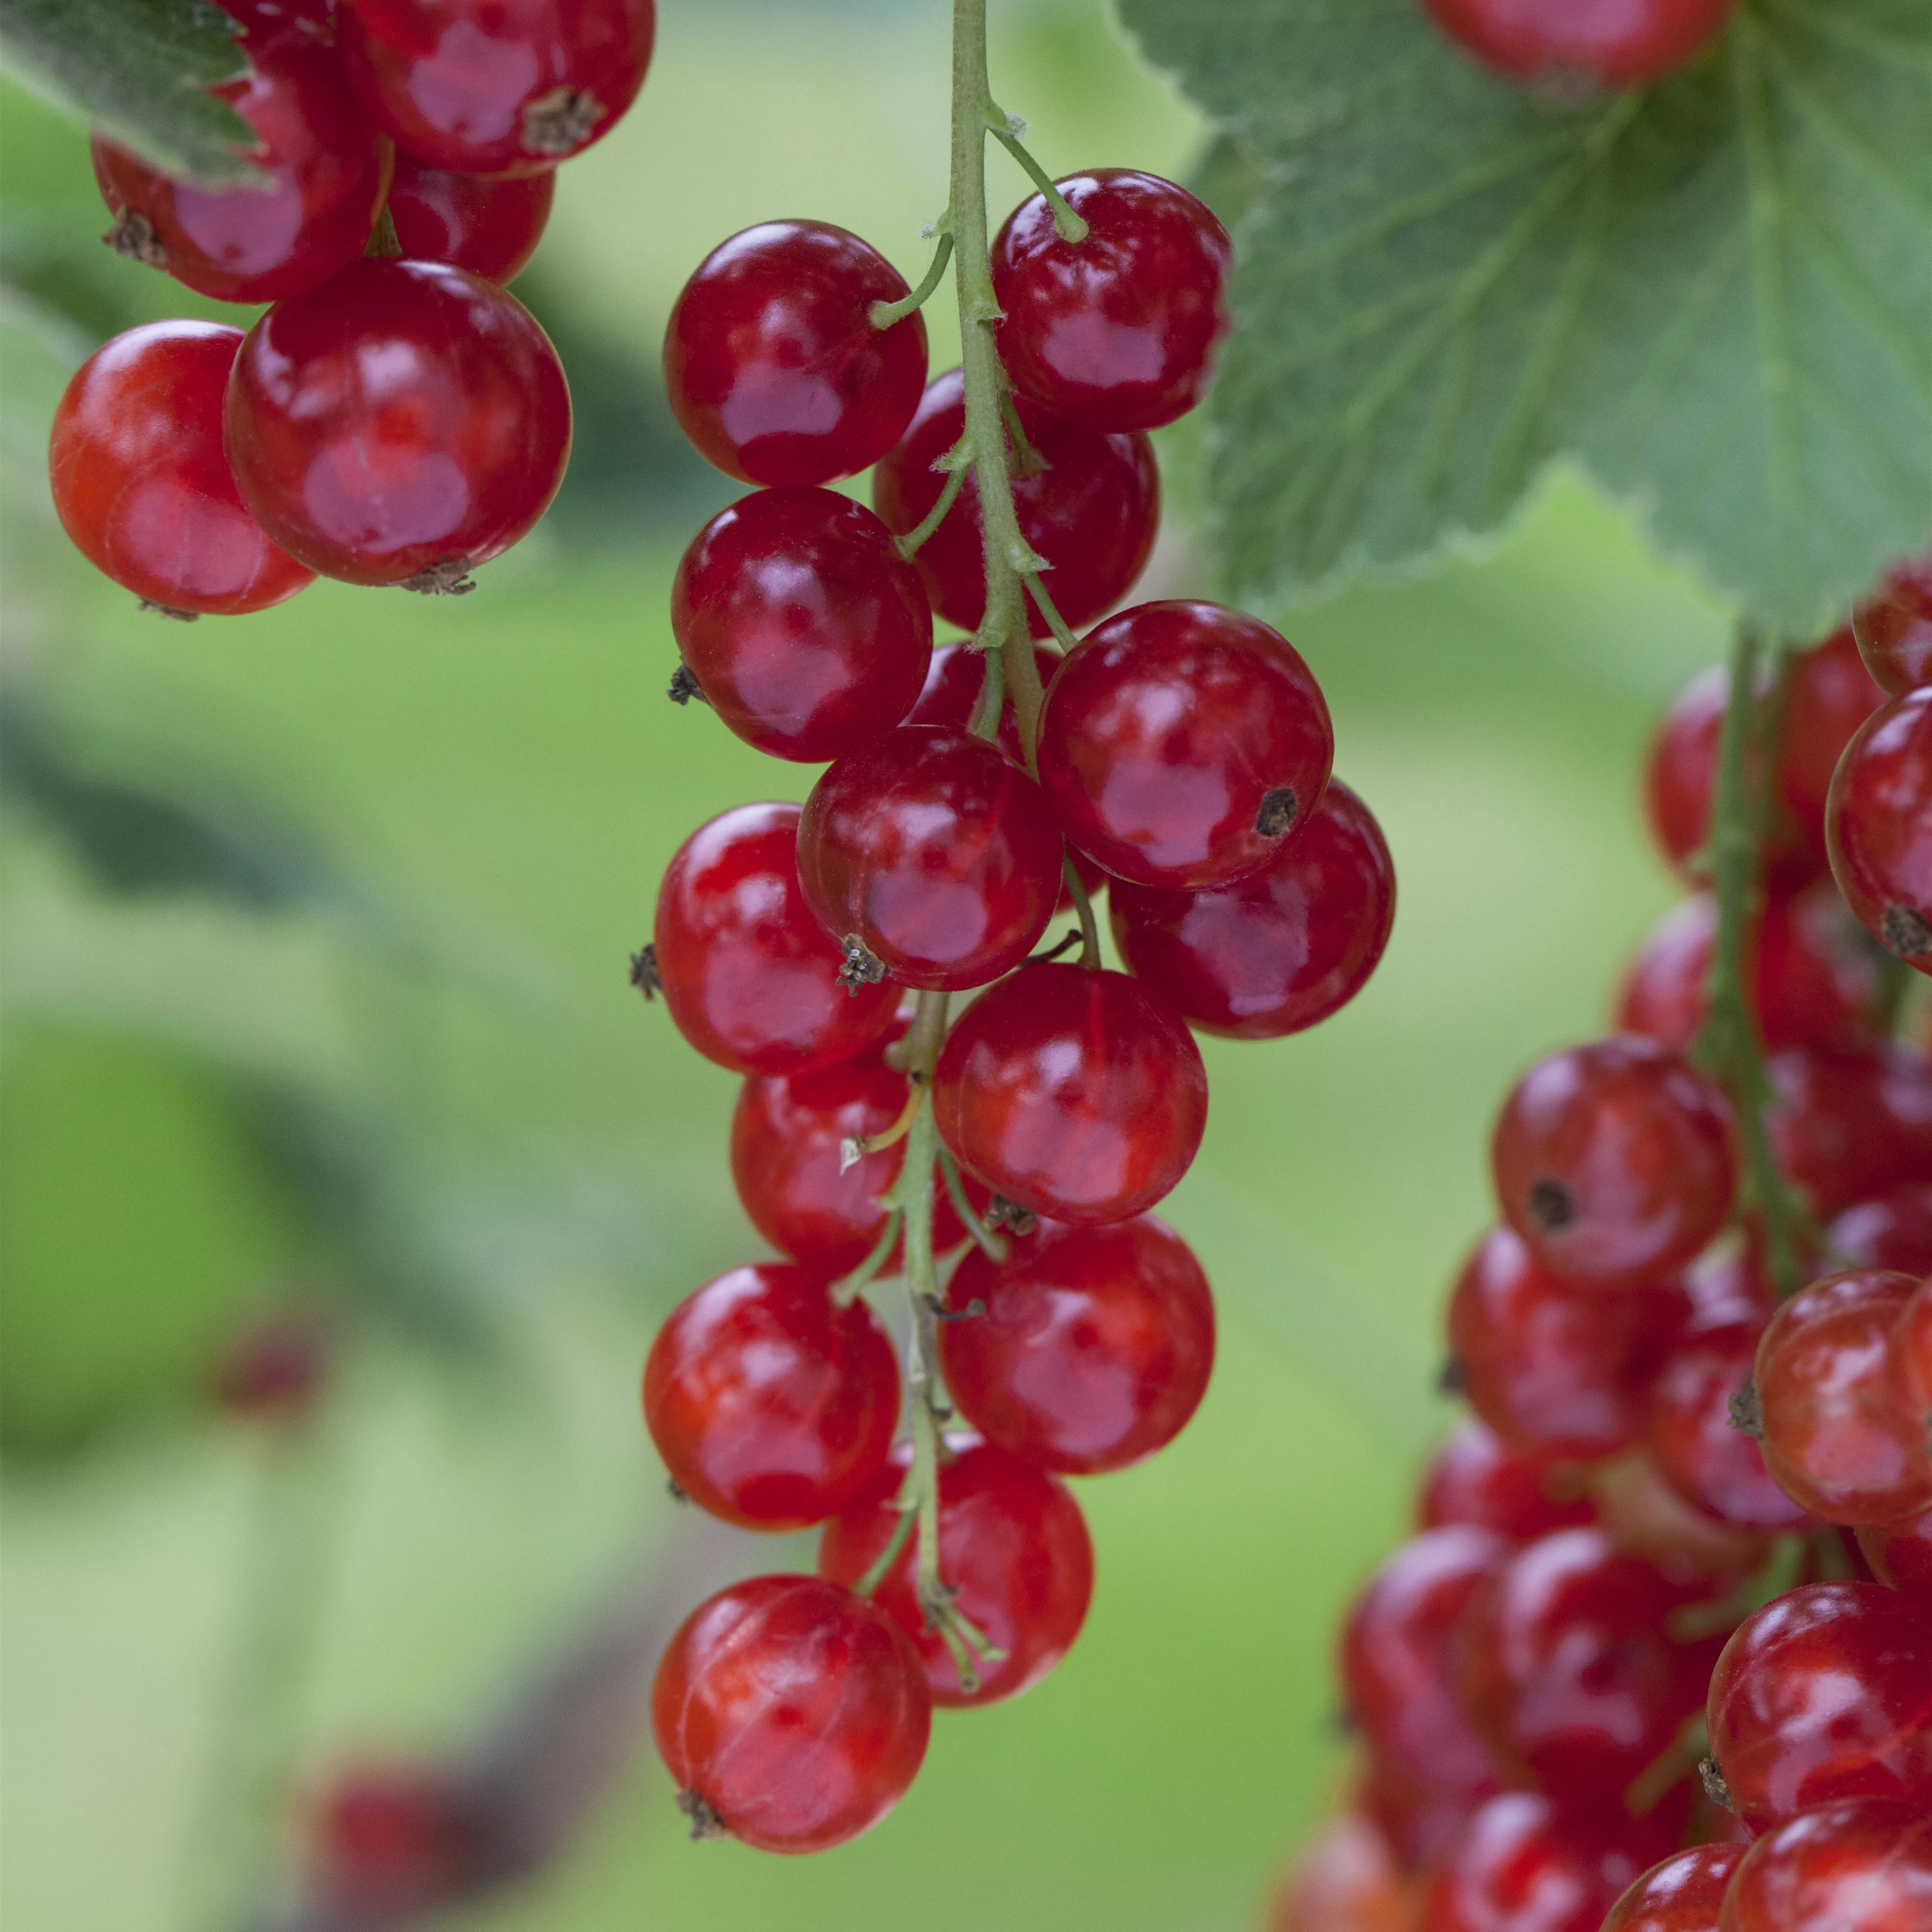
{"x":1090,"y":931}
{"x":1068,"y":225}
{"x":992,"y":1246}
{"x":1057,"y":624}
{"x":909,"y":544}
{"x":990,"y":705}
{"x":846,"y":1292}
{"x":884,"y":314}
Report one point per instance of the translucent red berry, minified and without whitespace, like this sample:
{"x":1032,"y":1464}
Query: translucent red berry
{"x":773,"y":364}
{"x":142,"y":482}
{"x":1092,"y":1347}
{"x":1088,"y":503}
{"x":1848,"y":1127}
{"x":1895,"y":629}
{"x":1476,"y":1478}
{"x":793,"y":1715}
{"x":489,"y":224}
{"x":1909,"y":1368}
{"x":1900,"y":1554}
{"x":749,"y":973}
{"x":1348,"y":1879}
{"x":807,"y":631}
{"x":1894,"y":1232}
{"x":1074,"y":1094}
{"x":1116,"y":330}
{"x":1683,"y":1894}
{"x":1828,"y":694}
{"x":1608,"y":42}
{"x":390,"y":1839}
{"x":771,"y":1406}
{"x":1183,"y":742}
{"x":1013,"y":1550}
{"x":1880,"y":827}
{"x":1862,"y":1867}
{"x":487,"y":87}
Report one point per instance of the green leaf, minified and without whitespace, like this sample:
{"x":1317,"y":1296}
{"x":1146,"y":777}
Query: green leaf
{"x":139,"y":70}
{"x":1717,"y":295}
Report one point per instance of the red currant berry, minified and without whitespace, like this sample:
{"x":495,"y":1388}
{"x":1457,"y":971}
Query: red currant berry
{"x":1183,"y":742}
{"x":487,"y":87}
{"x":1728,"y":1285}
{"x":1900,"y":1554}
{"x":275,"y":1371}
{"x":793,"y":1715}
{"x":1833,"y":1436}
{"x":1093,"y":1349}
{"x":1607,"y":43}
{"x":749,"y":974}
{"x":263,"y":21}
{"x":1278,"y":951}
{"x":1894,"y":1232}
{"x":1862,"y":1866}
{"x":142,"y":482}
{"x":1684,"y":1893}
{"x":1013,"y":1550}
{"x":1116,"y":330}
{"x":1909,"y":1371}
{"x":775,"y":370}
{"x":805,"y":629}
{"x":1847,"y":1126}
{"x":1090,"y":506}
{"x":1419,"y":1816}
{"x":1828,"y":694}
{"x":1476,"y":1478}
{"x":489,"y":224}
{"x":1825,"y":1693}
{"x":952,"y":687}
{"x":1880,"y":827}
{"x":1348,"y":1879}
{"x":933,"y":852}
{"x":400,"y":424}
{"x":1072,"y":1093}
{"x":389,"y":1840}
{"x":1895,"y":629}
{"x":771,"y":1406}
{"x":324,"y":171}
{"x":1613,"y":1161}
{"x":1556,"y":1369}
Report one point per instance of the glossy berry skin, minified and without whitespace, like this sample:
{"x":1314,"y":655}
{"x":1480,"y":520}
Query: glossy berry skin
{"x":1613,"y":1160}
{"x":771,"y":1406}
{"x":750,"y":977}
{"x":807,"y":631}
{"x":1076,"y":1093}
{"x":1183,"y":743}
{"x":1118,"y":331}
{"x":1900,"y":1554}
{"x":1895,"y":630}
{"x":489,"y":224}
{"x":935,"y":852}
{"x":1475,"y":1478}
{"x":1419,"y":1814}
{"x":1864,"y":1866}
{"x":325,"y":169}
{"x":1095,"y":1348}
{"x":1834,"y":1437}
{"x":1879,"y":827}
{"x":1909,"y":1368}
{"x":1091,"y":512}
{"x":400,"y":424}
{"x":1347,"y":1880}
{"x":1614,"y":44}
{"x":1280,"y":950}
{"x":142,"y":483}
{"x":1829,"y":695}
{"x":1825,"y":1693}
{"x":1683,"y":1894}
{"x":1556,"y":1369}
{"x":773,"y":366}
{"x":274,"y":1372}
{"x":390,"y":1839}
{"x":1894,"y":1232}
{"x":1011,"y":1543}
{"x":489,"y":87}
{"x":1848,"y":1127}
{"x":793,"y":1715}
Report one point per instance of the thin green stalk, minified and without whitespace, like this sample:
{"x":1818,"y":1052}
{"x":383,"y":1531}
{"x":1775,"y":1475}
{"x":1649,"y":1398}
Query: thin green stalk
{"x":1006,"y":130}
{"x":910,"y":543}
{"x":990,"y":706}
{"x":992,"y":1246}
{"x":1090,"y":931}
{"x":884,"y":313}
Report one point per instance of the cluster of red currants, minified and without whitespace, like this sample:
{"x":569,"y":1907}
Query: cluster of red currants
{"x":1181,"y":758}
{"x":1687,"y":1520}
{"x":396,"y":417}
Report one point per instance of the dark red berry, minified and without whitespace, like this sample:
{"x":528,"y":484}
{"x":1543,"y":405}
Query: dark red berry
{"x":804,"y":627}
{"x":142,"y":482}
{"x":793,"y":1715}
{"x":1116,"y":330}
{"x":771,"y":1406}
{"x":275,"y":1370}
{"x":1072,"y":1093}
{"x":934,"y":852}
{"x":487,"y":87}
{"x":1013,"y":1549}
{"x":389,"y":1840}
{"x":1094,"y":1347}
{"x":400,"y":425}
{"x":1476,"y":1478}
{"x":1183,"y":742}
{"x":1895,"y":629}
{"x":264,"y":21}
{"x":1862,"y":1867}
{"x":1420,"y":1815}
{"x":773,"y":364}
{"x":1828,"y":694}
{"x":1348,"y":1879}
{"x":1847,"y":1126}
{"x":1090,"y":506}
{"x":1880,"y":827}
{"x":1561,"y":43}
{"x":489,"y":224}
{"x":1894,"y":1232}
{"x":1900,"y":1554}
{"x":1684,"y":1893}
{"x":1908,"y":1370}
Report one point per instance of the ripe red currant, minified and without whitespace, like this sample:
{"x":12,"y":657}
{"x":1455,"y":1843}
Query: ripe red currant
{"x":1684,"y":1893}
{"x":1013,"y":1550}
{"x":1900,"y":1554}
{"x":389,"y":1840}
{"x":274,"y":1370}
{"x":1848,"y":1127}
{"x":1348,"y":1879}
{"x":773,"y":364}
{"x":771,"y":1406}
{"x":1606,"y":43}
{"x":1828,"y":694}
{"x":1279,"y":950}
{"x":142,"y":482}
{"x":1862,"y":1867}
{"x":1072,"y":1093}
{"x":487,"y":87}
{"x":747,"y":972}
{"x":793,"y":1715}
{"x":1894,"y":1231}
{"x":1880,"y":826}
{"x":1895,"y":629}
{"x":1116,"y":330}
{"x":1476,"y":1478}
{"x":1183,"y":742}
{"x":1089,"y":505}
{"x":1908,"y":1369}
{"x":1094,"y":1347}
{"x":489,"y":224}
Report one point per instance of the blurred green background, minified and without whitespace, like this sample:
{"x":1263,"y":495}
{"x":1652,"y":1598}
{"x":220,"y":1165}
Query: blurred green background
{"x":383,"y":1054}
